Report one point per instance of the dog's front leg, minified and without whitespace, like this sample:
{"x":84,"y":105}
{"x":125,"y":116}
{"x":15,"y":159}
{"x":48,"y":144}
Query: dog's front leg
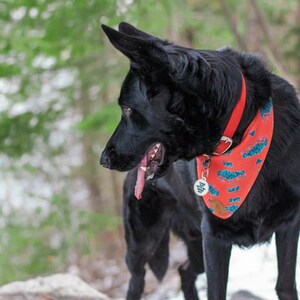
{"x":216,"y":264}
{"x":286,"y":243}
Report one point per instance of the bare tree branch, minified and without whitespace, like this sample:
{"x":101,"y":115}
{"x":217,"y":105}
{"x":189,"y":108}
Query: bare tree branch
{"x":270,"y":47}
{"x":233,"y":25}
{"x":277,"y":59}
{"x":252,"y":35}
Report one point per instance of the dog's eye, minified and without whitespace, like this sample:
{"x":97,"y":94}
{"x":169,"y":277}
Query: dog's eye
{"x":127,"y":111}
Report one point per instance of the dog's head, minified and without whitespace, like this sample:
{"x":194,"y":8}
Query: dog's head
{"x":170,"y":107}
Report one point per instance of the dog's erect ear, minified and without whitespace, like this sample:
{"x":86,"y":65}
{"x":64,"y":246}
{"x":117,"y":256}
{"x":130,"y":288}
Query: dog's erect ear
{"x":136,"y":48}
{"x":133,"y":31}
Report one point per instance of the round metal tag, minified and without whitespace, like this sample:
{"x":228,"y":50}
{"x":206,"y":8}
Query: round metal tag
{"x":201,"y":187}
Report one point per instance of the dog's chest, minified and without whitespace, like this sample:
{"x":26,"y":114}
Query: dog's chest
{"x":256,"y":221}
{"x":265,"y":210}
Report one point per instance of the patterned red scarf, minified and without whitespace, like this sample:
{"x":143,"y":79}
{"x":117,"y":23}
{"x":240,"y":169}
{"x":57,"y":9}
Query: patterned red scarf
{"x":225,"y":180}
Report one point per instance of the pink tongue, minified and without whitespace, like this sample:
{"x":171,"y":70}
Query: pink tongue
{"x":140,"y":181}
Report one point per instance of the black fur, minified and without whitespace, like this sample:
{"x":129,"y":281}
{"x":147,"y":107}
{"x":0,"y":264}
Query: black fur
{"x":183,"y":99}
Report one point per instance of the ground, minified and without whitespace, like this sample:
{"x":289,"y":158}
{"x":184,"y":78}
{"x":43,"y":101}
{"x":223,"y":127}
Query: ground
{"x":253,"y":270}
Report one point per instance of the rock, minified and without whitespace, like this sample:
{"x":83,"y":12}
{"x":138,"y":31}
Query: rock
{"x":55,"y":287}
{"x":244,"y":295}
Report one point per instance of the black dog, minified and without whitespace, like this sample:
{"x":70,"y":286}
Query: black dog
{"x":175,"y":105}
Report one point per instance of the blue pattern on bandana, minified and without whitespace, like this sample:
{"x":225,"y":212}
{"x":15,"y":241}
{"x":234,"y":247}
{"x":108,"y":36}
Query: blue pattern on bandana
{"x":265,"y":111}
{"x":227,"y":164}
{"x":237,"y":199}
{"x":228,"y":175}
{"x":234,"y":189}
{"x":252,"y":133}
{"x":232,"y":208}
{"x":213,"y":191}
{"x":256,"y":149}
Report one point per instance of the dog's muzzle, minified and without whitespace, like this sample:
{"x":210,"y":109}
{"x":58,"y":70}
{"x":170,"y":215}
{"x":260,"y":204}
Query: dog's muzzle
{"x":105,"y":159}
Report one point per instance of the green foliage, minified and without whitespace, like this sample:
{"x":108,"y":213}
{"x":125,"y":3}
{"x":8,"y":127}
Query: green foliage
{"x":104,"y":120}
{"x":293,"y":51}
{"x":14,"y":141}
{"x":46,"y":243}
{"x":40,"y":39}
{"x":7,"y":70}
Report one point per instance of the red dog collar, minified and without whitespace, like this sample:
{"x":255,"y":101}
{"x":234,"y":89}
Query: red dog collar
{"x":226,"y":178}
{"x":234,"y":121}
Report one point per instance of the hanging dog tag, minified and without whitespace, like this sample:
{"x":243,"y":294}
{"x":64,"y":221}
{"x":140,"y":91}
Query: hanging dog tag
{"x":201,"y":187}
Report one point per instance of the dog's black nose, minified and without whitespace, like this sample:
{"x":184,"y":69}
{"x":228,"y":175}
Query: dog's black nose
{"x":104,"y":159}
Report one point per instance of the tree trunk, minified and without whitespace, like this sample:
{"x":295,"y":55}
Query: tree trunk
{"x":232,"y":20}
{"x":297,"y":25}
{"x":90,"y":169}
{"x":253,"y":37}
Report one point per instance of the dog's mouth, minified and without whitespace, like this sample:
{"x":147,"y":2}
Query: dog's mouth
{"x":148,"y":167}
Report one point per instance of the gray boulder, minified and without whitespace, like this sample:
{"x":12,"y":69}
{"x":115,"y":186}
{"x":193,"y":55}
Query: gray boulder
{"x":55,"y":287}
{"x":245,"y":295}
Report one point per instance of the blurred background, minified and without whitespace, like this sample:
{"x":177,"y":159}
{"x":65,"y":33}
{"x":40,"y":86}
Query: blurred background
{"x":59,"y":84}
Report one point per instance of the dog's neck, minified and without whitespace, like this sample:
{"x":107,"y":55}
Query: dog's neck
{"x":258,"y":88}
{"x":226,"y":140}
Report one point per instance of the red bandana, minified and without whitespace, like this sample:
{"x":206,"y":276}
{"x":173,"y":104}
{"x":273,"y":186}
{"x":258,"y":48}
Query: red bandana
{"x":225,"y":180}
